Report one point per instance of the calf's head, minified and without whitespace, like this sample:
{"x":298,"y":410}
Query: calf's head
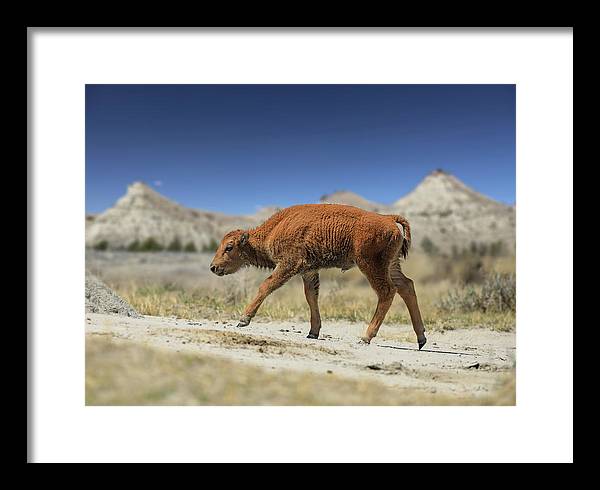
{"x":228,"y":258}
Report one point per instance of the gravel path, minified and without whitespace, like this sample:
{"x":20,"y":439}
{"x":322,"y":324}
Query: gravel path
{"x":470,"y":361}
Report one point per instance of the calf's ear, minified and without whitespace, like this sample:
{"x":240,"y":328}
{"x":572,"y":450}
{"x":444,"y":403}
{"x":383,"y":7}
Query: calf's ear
{"x":244,"y":238}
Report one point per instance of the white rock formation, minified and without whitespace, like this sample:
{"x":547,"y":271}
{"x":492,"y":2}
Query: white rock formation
{"x":447,"y":212}
{"x":143,"y":213}
{"x":441,"y":208}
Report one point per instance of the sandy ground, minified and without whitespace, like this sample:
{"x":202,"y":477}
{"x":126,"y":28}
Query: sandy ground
{"x":468,"y":362}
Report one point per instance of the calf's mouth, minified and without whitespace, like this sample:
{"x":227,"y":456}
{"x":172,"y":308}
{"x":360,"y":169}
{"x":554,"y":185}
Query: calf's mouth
{"x":219,"y":271}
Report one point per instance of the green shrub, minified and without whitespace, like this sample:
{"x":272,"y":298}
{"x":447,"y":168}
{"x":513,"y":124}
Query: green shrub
{"x":175,"y":245}
{"x":102,"y":245}
{"x":496,"y":294}
{"x":134,"y":246}
{"x":497,"y":249}
{"x":190,"y":247}
{"x":150,"y":245}
{"x":429,"y":247}
{"x":470,"y":270}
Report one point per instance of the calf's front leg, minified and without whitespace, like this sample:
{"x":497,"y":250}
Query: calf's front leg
{"x":277,"y":279}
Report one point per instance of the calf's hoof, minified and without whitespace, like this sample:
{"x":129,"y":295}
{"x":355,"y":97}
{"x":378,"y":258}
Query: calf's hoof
{"x":244,"y":322}
{"x":422,"y":341}
{"x":312,"y":336}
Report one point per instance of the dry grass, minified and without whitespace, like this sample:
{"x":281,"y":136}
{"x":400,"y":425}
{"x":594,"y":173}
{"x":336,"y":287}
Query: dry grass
{"x":125,"y":373}
{"x":352,"y":304}
{"x":344,"y":296}
{"x":498,"y":293}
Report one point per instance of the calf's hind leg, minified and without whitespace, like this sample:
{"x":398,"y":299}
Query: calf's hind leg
{"x":311,"y":291}
{"x":379,"y":279}
{"x":406,"y":289}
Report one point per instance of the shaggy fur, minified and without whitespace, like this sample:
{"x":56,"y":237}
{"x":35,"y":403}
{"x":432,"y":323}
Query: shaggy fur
{"x":303,"y":239}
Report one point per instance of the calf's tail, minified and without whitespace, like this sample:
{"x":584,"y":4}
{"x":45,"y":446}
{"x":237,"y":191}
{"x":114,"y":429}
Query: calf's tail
{"x":405,"y":234}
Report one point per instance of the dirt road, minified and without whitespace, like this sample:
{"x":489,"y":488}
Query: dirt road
{"x":468,"y":362}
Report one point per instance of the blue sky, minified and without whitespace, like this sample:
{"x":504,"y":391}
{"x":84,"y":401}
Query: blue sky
{"x":234,"y":148}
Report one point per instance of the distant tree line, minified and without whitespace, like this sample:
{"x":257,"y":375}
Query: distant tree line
{"x":152,"y":245}
{"x":494,"y":249}
{"x":475,"y":249}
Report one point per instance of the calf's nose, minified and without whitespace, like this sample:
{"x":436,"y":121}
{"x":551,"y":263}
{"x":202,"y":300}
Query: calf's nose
{"x":213,"y":268}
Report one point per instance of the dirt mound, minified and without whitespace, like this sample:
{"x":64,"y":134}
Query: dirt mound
{"x":99,"y":298}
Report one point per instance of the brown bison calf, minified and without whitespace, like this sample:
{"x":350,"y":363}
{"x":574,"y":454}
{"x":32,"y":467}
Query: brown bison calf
{"x":303,"y":239}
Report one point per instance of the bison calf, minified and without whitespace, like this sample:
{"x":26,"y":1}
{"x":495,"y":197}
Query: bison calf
{"x":303,"y":239}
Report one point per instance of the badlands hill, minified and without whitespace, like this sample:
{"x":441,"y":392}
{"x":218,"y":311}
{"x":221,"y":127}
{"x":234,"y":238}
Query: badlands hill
{"x":352,"y":199}
{"x":441,"y":210}
{"x":143,"y":213}
{"x":447,"y":212}
{"x":451,"y":213}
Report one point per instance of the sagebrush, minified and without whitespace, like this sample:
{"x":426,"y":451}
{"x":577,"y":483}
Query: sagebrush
{"x":498,"y":293}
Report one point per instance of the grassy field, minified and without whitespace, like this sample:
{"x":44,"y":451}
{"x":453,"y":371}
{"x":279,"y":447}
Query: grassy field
{"x":126,"y":373}
{"x":153,"y":364}
{"x":453,"y":293}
